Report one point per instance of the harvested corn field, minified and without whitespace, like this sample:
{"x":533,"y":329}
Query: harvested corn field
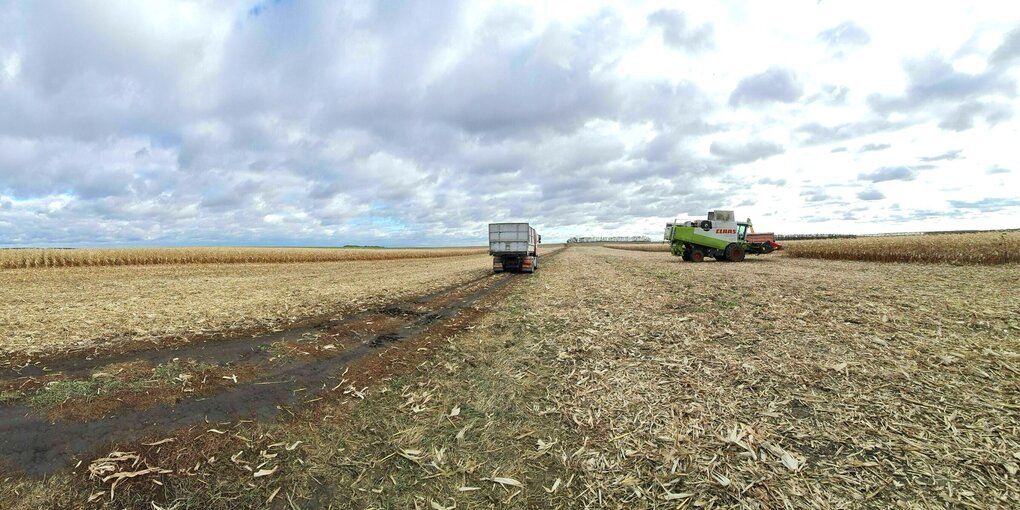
{"x":789,"y":383}
{"x":96,"y":257}
{"x":652,"y":247}
{"x":641,"y":381}
{"x":969,"y":248}
{"x":80,"y":308}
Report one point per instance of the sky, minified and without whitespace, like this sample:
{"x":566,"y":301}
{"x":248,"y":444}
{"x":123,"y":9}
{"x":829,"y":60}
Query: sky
{"x":417,"y":123}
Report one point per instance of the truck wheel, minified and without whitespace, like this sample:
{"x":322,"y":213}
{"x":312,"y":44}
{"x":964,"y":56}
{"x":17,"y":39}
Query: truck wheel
{"x":528,"y":265}
{"x":697,"y":256}
{"x":734,"y":252}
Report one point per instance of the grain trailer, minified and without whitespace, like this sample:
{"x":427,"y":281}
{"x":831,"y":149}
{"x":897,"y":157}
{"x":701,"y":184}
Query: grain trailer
{"x":514,"y":247}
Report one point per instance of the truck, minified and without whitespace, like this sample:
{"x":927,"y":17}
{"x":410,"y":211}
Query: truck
{"x":514,"y":247}
{"x":720,"y":237}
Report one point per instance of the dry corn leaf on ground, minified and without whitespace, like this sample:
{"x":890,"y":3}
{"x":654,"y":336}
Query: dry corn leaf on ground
{"x":47,"y":309}
{"x":653,"y":247}
{"x":641,"y":381}
{"x":788,"y":383}
{"x":621,"y":379}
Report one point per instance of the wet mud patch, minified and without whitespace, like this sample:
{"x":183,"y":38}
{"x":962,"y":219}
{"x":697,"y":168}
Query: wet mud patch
{"x":800,"y":409}
{"x":398,"y":311}
{"x":54,"y":388}
{"x":192,"y":381}
{"x":124,"y":386}
{"x":384,"y":339}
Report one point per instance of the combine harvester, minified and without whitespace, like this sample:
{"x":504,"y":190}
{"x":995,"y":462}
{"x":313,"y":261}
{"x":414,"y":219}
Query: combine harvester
{"x":720,"y":237}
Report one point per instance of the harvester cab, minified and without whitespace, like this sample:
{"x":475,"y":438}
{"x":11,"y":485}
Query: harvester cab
{"x":720,"y":236}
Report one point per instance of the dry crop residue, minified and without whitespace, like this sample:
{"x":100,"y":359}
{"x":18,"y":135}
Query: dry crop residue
{"x":782,"y":382}
{"x":34,"y":446}
{"x":625,"y":379}
{"x":653,"y":247}
{"x":219,"y":462}
{"x":46,"y":310}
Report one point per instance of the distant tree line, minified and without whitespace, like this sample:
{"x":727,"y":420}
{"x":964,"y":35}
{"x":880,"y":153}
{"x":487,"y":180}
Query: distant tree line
{"x":610,"y":239}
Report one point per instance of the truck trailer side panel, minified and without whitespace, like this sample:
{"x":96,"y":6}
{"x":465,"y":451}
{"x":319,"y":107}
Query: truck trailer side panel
{"x":513,"y":238}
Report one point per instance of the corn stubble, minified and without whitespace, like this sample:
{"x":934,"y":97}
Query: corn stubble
{"x":657,"y":247}
{"x":98,"y":257}
{"x":643,"y":382}
{"x":781,"y":382}
{"x":92,"y":307}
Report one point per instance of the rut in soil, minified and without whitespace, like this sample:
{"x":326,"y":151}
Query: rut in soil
{"x":34,"y":445}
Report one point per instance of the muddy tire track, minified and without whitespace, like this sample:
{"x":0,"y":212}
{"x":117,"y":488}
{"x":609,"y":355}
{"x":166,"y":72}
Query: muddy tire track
{"x":235,"y":348}
{"x":34,"y":445}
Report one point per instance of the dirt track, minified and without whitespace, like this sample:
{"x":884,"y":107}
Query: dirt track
{"x":318,"y":359}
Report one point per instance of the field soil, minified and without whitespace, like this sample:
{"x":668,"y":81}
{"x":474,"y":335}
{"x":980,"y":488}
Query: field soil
{"x":609,"y":378}
{"x":44,"y":311}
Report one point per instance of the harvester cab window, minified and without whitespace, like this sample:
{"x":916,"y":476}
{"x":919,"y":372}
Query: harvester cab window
{"x":741,"y":231}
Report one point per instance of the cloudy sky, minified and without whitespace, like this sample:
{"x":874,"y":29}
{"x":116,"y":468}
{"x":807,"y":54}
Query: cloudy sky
{"x":416,"y":123}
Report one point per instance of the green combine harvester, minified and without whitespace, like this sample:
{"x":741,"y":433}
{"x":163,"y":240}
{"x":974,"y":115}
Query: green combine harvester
{"x":719,"y":237}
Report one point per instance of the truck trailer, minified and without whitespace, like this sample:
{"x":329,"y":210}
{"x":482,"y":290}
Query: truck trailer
{"x":514,"y":247}
{"x":720,"y":237}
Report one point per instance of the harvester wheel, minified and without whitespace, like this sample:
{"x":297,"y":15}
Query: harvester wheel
{"x":734,"y":252}
{"x":697,"y":256}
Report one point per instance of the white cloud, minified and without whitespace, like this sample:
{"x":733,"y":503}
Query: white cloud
{"x":847,"y":33}
{"x":678,"y":32}
{"x":889,"y":173}
{"x":736,"y":152}
{"x":775,"y":84}
{"x":317,"y":123}
{"x":870,"y":194}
